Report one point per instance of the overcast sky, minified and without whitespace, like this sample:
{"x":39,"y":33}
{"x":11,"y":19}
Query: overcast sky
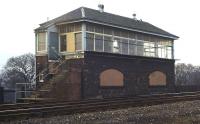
{"x":19,"y":18}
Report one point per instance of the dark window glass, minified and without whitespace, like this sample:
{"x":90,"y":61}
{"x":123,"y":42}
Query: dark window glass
{"x":132,"y":47}
{"x":70,"y":28}
{"x":140,"y":48}
{"x":131,"y":35}
{"x":116,"y":32}
{"x":99,"y":29}
{"x":90,"y":27}
{"x":89,"y":42}
{"x":146,"y":38}
{"x":108,"y":30}
{"x":78,"y":41}
{"x":77,"y":26}
{"x":63,"y":43}
{"x":99,"y":43}
{"x":140,"y":36}
{"x":108,"y":44}
{"x":124,"y":46}
{"x":62,"y":28}
{"x":124,"y":34}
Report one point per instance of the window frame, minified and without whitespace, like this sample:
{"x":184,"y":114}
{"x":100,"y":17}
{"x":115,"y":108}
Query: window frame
{"x":81,"y":48}
{"x":60,"y":43}
{"x":145,"y":45}
{"x":37,"y":42}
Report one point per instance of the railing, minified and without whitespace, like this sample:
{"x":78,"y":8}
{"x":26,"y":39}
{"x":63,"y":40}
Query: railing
{"x":45,"y":71}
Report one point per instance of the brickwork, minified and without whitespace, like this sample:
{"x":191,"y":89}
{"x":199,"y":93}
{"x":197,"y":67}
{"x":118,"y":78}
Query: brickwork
{"x":136,"y":72}
{"x":80,"y":78}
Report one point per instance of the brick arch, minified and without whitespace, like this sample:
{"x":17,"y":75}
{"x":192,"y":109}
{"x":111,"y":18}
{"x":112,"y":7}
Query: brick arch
{"x":111,"y":77}
{"x":157,"y":78}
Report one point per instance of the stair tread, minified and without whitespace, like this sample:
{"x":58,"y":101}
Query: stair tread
{"x":44,"y":90}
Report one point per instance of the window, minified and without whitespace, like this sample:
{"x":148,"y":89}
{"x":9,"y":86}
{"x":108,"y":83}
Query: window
{"x":111,"y":77}
{"x":124,"y":46}
{"x":169,"y":52}
{"x":41,"y":42}
{"x":108,"y":44}
{"x":117,"y":32}
{"x":77,"y":27}
{"x":62,"y":28}
{"x":99,"y":29}
{"x":132,"y":47}
{"x":108,"y":30}
{"x":140,"y":48}
{"x":124,"y":34}
{"x":78,"y":41}
{"x":132,"y":35}
{"x":70,"y":28}
{"x":89,"y":42}
{"x":114,"y":40}
{"x":157,"y":78}
{"x":41,"y":77}
{"x":149,"y":48}
{"x":99,"y":43}
{"x":117,"y":45}
{"x":63,"y":43}
{"x":90,"y":27}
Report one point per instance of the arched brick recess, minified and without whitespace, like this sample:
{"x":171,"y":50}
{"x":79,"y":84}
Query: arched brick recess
{"x":111,"y":77}
{"x":157,"y":78}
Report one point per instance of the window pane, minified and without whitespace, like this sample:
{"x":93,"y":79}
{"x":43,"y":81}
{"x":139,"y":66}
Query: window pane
{"x":99,"y":29}
{"x":108,"y":44}
{"x":169,"y":52}
{"x":108,"y":30}
{"x":124,"y":46}
{"x":41,"y":41}
{"x":89,"y":42}
{"x":62,"y":28}
{"x":132,"y":47}
{"x":70,"y":28}
{"x":99,"y":43}
{"x":116,"y":32}
{"x":140,"y":36}
{"x":124,"y":34}
{"x":131,"y":35}
{"x":63,"y":43}
{"x":90,"y":27}
{"x":140,"y":48}
{"x":77,"y":26}
{"x":152,"y":49}
{"x":146,"y":49}
{"x":117,"y":45}
{"x":78,"y":41}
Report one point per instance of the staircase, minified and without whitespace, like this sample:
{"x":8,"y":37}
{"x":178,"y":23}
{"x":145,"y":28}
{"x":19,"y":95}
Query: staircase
{"x":46,"y":89}
{"x":64,"y":85}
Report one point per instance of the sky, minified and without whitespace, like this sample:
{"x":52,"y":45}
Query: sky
{"x":19,"y":18}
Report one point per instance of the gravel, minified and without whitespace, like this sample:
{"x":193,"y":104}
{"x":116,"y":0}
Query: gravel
{"x":174,"y":113}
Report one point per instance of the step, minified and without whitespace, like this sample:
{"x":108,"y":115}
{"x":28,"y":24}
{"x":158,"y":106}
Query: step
{"x":44,"y":90}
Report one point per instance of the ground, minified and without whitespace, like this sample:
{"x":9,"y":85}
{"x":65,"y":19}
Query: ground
{"x":174,"y":113}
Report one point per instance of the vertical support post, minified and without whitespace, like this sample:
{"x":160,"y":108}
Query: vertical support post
{"x":83,"y":28}
{"x":156,"y":48}
{"x":46,"y":49}
{"x":172,"y":49}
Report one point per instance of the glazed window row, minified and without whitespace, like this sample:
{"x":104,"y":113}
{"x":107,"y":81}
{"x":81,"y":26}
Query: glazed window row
{"x":110,"y":40}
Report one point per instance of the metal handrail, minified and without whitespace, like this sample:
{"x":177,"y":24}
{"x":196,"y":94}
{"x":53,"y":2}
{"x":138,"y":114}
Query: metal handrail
{"x":47,"y":68}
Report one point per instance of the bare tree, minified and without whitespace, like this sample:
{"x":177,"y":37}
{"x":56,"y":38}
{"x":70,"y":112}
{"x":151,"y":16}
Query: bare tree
{"x":187,"y":74}
{"x":19,"y":69}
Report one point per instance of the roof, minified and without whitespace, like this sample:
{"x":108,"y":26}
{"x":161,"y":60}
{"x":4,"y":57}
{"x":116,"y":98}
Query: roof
{"x":95,"y":16}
